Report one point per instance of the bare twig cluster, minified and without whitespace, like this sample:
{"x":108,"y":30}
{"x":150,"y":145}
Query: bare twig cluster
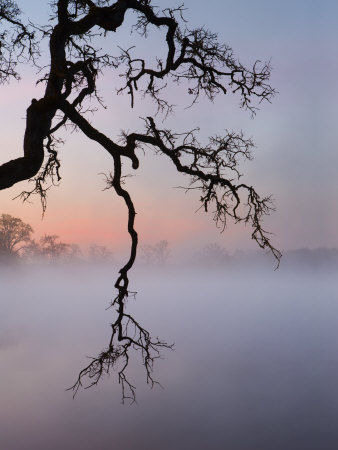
{"x":17,"y":41}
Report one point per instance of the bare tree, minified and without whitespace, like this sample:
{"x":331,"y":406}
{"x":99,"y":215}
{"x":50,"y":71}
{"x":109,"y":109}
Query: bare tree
{"x":14,"y":235}
{"x":213,"y":254}
{"x":32,"y":251}
{"x":100,"y":253}
{"x":194,"y":58}
{"x":50,"y":248}
{"x":74,"y":252}
{"x":157,"y":254}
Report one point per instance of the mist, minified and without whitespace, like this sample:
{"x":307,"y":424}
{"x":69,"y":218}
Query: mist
{"x":254,"y":365}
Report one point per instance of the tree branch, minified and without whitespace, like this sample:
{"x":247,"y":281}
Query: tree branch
{"x":194,"y":56}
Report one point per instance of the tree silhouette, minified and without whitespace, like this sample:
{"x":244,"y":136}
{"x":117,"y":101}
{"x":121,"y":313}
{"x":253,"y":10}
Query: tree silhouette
{"x":14,"y":235}
{"x":99,"y":254}
{"x":195,"y":58}
{"x":157,"y":254}
{"x":50,"y":248}
{"x":213,"y":255}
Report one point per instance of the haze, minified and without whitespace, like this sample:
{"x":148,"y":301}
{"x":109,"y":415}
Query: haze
{"x":255,"y":362}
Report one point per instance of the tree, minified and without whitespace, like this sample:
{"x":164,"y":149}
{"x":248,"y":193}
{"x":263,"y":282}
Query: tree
{"x":194,"y":57}
{"x":213,"y":255}
{"x":14,"y":235}
{"x":53,"y":249}
{"x":32,"y":250}
{"x":50,"y":248}
{"x":99,"y":254}
{"x":157,"y":254}
{"x":74,"y":252}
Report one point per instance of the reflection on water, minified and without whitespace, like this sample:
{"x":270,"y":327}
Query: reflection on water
{"x":255,"y":365}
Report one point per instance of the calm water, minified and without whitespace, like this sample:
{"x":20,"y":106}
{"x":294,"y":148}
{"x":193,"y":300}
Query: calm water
{"x":255,"y":365}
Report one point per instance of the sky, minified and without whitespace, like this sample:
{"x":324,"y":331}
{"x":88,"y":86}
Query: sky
{"x":295,"y":159}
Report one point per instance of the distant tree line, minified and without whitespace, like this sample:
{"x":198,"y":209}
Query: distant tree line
{"x":16,"y":242}
{"x":157,"y":254}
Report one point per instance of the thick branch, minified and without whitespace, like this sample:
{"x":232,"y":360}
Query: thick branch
{"x":38,"y":123}
{"x":92,"y":133}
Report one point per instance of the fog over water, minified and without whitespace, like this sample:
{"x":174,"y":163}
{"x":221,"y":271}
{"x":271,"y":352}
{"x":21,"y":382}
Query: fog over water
{"x":255,"y":365}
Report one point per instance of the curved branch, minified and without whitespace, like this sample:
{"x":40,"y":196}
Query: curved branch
{"x":127,"y":334}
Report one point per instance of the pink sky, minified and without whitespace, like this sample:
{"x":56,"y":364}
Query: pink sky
{"x":79,"y":211}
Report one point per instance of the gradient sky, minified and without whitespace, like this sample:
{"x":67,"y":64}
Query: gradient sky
{"x":296,"y":157}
